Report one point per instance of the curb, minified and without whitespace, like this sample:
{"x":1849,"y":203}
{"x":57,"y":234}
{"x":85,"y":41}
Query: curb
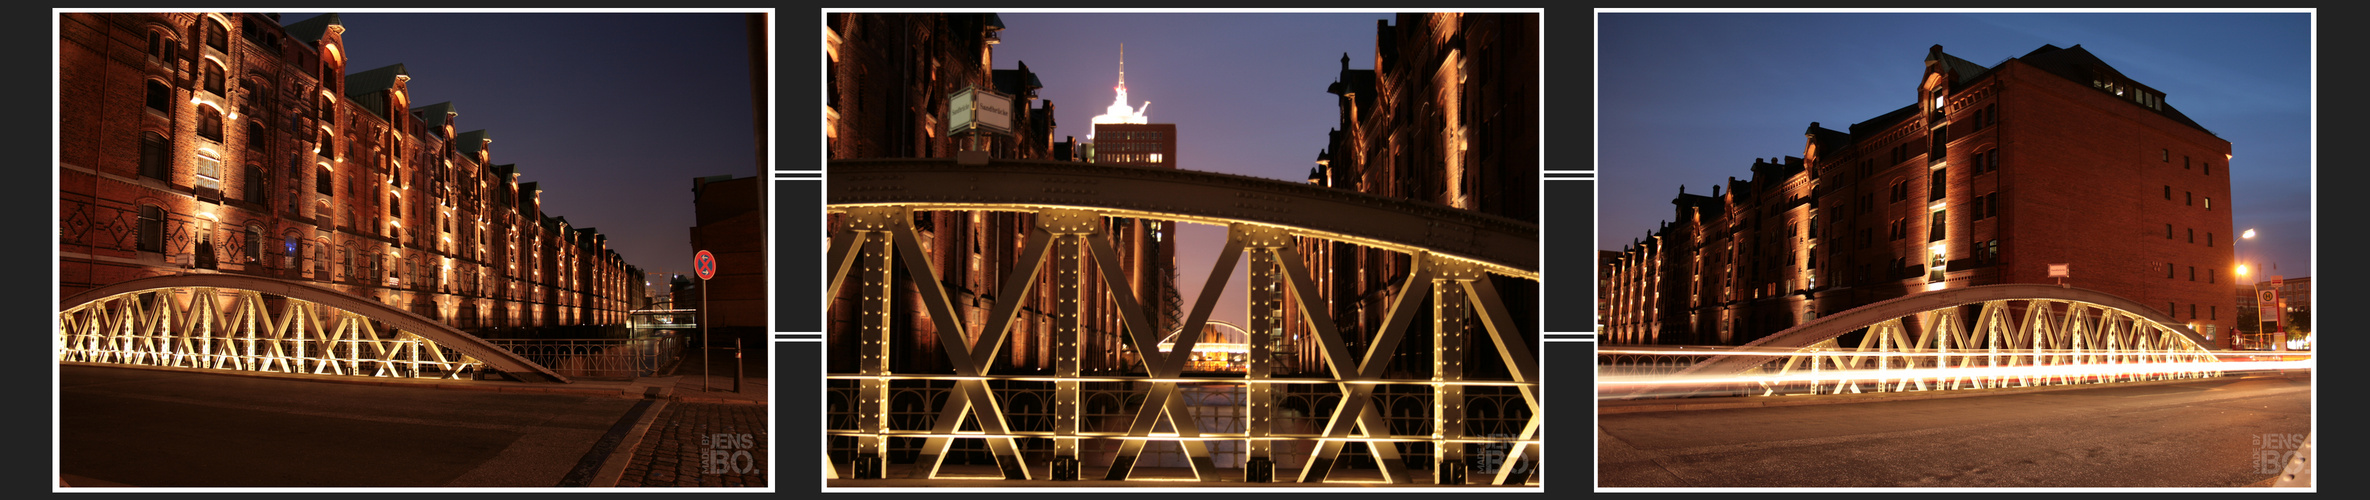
{"x":1736,"y":402}
{"x":613,"y":470}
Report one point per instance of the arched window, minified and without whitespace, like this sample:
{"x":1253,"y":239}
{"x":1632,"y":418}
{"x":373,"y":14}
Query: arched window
{"x":160,"y":96}
{"x":209,"y":123}
{"x":160,"y":46}
{"x":153,"y":149}
{"x":152,"y":228}
{"x":255,"y":137}
{"x":322,"y":181}
{"x":256,"y":186}
{"x":254,"y":245}
{"x":213,"y":77}
{"x":217,"y":36}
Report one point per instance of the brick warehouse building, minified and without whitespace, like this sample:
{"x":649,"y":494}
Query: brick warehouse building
{"x":1450,"y":115}
{"x":1990,"y":176}
{"x":186,"y":149}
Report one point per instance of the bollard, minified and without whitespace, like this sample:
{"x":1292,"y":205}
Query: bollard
{"x":740,"y":369}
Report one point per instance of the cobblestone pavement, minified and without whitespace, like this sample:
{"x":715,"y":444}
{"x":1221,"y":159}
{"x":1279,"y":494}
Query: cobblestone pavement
{"x":701,"y":444}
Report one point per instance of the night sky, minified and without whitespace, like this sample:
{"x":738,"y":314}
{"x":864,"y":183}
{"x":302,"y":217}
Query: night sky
{"x":1692,"y":98}
{"x":613,"y":114}
{"x":1246,"y":91}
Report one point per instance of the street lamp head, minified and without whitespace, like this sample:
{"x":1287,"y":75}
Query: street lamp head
{"x":2242,"y":269}
{"x":2249,"y":234}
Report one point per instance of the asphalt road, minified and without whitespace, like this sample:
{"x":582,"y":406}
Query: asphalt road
{"x":156,"y":428}
{"x":2215,"y":433}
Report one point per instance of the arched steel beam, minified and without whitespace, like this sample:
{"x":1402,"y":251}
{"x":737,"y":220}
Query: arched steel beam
{"x":494,"y":357}
{"x":1838,"y":324}
{"x":1501,"y":245}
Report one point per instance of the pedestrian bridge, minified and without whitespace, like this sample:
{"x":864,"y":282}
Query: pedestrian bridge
{"x":250,"y":323}
{"x":1455,"y":255}
{"x":1980,"y":337}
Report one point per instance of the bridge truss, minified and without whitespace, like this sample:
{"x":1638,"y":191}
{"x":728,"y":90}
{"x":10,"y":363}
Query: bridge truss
{"x":247,"y":323}
{"x":1983,"y":337}
{"x":1264,"y":219}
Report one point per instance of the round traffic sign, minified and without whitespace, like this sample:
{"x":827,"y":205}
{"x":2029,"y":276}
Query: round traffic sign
{"x":704,"y":264}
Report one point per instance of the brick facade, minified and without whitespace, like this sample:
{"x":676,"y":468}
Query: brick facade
{"x":1992,"y":176}
{"x":210,"y":142}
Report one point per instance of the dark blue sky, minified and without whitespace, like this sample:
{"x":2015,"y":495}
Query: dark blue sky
{"x":613,"y":114}
{"x":1247,"y":92}
{"x":1692,"y":98}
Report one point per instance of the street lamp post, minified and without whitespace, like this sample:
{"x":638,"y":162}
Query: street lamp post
{"x":2256,"y":284}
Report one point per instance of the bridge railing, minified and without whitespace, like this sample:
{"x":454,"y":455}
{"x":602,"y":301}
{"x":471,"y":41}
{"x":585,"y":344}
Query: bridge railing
{"x":598,"y":358}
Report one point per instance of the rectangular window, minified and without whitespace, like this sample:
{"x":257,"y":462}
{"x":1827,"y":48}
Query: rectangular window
{"x":2169,"y":270}
{"x":2209,"y":203}
{"x":2189,"y":197}
{"x":2209,"y":238}
{"x":2192,"y":235}
{"x":2209,"y":168}
{"x":2168,"y":230}
{"x":1934,"y":266}
{"x":1936,"y":231}
{"x":1939,"y":184}
{"x":1977,"y":214}
{"x":2168,"y":192}
{"x":1994,"y":209}
{"x":2192,"y":274}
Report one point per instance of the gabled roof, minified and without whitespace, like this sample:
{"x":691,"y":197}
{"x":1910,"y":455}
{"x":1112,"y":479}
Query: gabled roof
{"x":1015,"y":82}
{"x":1883,"y":121}
{"x":434,"y":116}
{"x":1827,"y":140}
{"x":1966,"y":70}
{"x":469,"y":143}
{"x":310,"y":30}
{"x":365,"y":87}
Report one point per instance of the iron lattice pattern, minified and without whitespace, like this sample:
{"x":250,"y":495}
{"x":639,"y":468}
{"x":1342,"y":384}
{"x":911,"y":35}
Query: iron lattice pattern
{"x":1258,"y":422}
{"x":248,"y":331}
{"x":1985,"y":345}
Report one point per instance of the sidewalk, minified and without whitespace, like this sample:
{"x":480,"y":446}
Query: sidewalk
{"x":703,"y":437}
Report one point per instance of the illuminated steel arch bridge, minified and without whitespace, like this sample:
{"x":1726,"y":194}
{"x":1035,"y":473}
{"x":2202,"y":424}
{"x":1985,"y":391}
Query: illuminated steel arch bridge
{"x":1453,"y":253}
{"x":253,"y":323}
{"x":1979,"y":337}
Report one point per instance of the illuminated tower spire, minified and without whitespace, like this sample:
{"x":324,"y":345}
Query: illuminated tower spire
{"x":1119,"y":112}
